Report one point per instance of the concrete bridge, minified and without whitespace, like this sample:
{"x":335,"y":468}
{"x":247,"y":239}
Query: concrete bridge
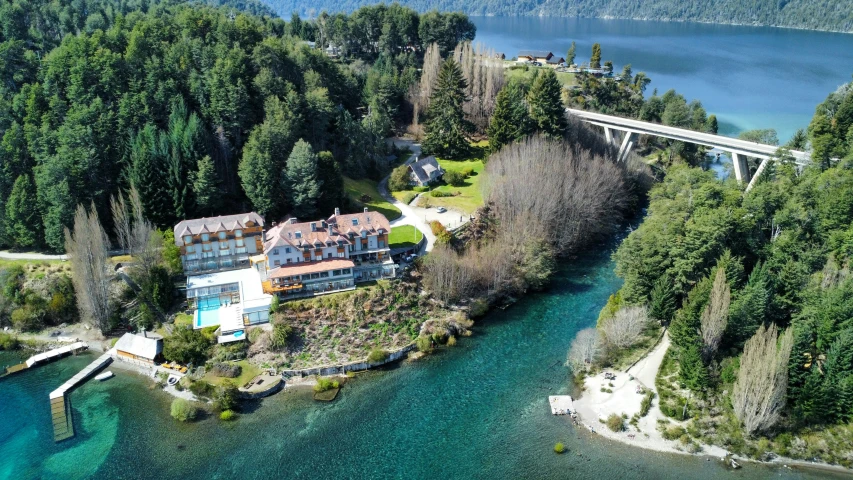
{"x":739,"y":149}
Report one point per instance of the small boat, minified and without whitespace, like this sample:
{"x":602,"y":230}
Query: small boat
{"x":103,"y":376}
{"x":173,"y":379}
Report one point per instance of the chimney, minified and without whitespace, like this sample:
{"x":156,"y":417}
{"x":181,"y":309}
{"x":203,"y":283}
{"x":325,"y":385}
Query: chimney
{"x":337,"y":211}
{"x":365,"y":209}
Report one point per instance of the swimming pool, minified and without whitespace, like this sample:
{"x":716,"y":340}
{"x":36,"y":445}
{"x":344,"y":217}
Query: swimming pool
{"x":207,"y":313}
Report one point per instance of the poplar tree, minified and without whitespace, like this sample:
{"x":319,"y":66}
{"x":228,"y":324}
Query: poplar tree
{"x":22,"y":219}
{"x":511,"y":120}
{"x":301,"y":182}
{"x":546,"y":106}
{"x":446,"y":127}
{"x":570,"y":55}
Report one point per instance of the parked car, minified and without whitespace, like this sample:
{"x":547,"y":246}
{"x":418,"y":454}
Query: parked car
{"x":441,"y":210}
{"x":537,"y":64}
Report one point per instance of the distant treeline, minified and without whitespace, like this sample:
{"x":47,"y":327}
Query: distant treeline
{"x":833,"y":15}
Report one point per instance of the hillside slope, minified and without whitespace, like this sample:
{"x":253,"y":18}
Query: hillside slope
{"x":830,"y":15}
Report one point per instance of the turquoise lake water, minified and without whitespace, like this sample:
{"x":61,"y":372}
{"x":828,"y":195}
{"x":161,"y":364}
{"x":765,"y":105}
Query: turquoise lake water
{"x":477,"y":410}
{"x":750,"y":77}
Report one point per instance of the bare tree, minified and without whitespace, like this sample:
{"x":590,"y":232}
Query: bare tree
{"x":484,"y":73}
{"x":446,"y":276}
{"x":421,"y":95}
{"x":87,"y":249}
{"x":555,"y":191}
{"x":122,"y":222}
{"x":716,"y":315}
{"x":625,"y":327}
{"x":585,"y":349}
{"x":759,"y":394}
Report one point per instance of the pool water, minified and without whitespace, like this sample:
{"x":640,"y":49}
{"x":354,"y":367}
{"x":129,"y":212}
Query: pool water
{"x":207,"y":313}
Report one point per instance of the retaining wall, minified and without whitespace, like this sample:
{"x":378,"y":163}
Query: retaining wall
{"x":349,"y":367}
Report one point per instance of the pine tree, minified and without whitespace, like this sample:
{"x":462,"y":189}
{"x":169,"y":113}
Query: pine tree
{"x":301,"y":182}
{"x":208,"y":195}
{"x":711,"y":125}
{"x":570,"y":55}
{"x":511,"y":119}
{"x":22,"y":218}
{"x":446,"y":127}
{"x":595,"y":60}
{"x":262,"y":166}
{"x":329,"y":174}
{"x":546,"y":105}
{"x":692,"y":369}
{"x":147,"y":167}
{"x":662,"y":304}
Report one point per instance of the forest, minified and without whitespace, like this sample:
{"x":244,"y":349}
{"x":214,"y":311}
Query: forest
{"x":198,"y":106}
{"x":830,"y":15}
{"x":756,"y":292}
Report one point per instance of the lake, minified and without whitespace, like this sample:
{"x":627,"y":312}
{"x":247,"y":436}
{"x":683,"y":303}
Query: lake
{"x":750,"y":77}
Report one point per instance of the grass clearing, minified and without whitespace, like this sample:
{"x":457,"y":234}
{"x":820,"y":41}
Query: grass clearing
{"x":247,"y":373}
{"x":466,"y":198}
{"x":565,"y":79}
{"x":363,"y":193}
{"x":40,"y":268}
{"x":404,"y":236}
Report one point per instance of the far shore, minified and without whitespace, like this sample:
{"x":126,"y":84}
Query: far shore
{"x":594,"y":405}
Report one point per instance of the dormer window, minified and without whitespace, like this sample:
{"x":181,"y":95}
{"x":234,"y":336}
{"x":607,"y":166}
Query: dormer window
{"x":354,"y":222}
{"x":205,"y":237}
{"x":363,"y":234}
{"x":222,"y":235}
{"x":298,"y":234}
{"x":188,"y":240}
{"x":238,"y":233}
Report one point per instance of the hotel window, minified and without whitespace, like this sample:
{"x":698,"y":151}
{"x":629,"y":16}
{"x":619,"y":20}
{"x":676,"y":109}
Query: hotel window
{"x":222,"y":235}
{"x":205,"y":237}
{"x":381,"y":244}
{"x":275,"y":251}
{"x":298,"y":234}
{"x":329,"y":255}
{"x":286,"y":249}
{"x":324,"y":274}
{"x":289,"y":260}
{"x":277,"y":263}
{"x":207,"y":247}
{"x":239,"y":242}
{"x":315,"y":275}
{"x":238,"y":233}
{"x":188,"y":240}
{"x":190,"y":249}
{"x":354,"y":221}
{"x":345,"y":271}
{"x":306,"y":277}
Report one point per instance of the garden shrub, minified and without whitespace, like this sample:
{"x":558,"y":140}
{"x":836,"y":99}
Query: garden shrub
{"x":455,"y":178}
{"x":226,"y":396}
{"x":324,"y":384}
{"x":646,"y":404}
{"x":227,"y":415}
{"x":200,"y":388}
{"x":424,"y":344}
{"x":227,"y":370}
{"x":281,"y":334}
{"x":615,"y":423}
{"x":377,"y":355}
{"x":439,"y":194}
{"x":673,"y":433}
{"x":8,"y":342}
{"x":183,"y":411}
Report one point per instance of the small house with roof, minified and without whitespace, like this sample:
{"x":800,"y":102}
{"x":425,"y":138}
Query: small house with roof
{"x":542,"y":56}
{"x":424,"y":171}
{"x":142,"y":349}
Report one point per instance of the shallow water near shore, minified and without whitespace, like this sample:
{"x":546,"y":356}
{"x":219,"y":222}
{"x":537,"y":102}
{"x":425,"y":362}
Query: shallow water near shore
{"x":477,"y":410}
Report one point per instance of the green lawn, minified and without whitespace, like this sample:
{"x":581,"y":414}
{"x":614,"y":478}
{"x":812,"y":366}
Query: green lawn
{"x":404,"y":236}
{"x":565,"y":79}
{"x":248,"y":372}
{"x":363,"y":193}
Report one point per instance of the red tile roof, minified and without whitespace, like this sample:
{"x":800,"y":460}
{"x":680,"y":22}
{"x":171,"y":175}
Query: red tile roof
{"x":310,"y":267}
{"x":326,"y":233}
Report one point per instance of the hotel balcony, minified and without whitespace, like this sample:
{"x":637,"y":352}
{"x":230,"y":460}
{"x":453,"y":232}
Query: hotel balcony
{"x":210,"y":263}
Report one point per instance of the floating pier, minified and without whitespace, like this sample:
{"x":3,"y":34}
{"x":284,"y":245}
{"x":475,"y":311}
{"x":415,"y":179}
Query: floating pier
{"x":561,"y":404}
{"x":60,"y":410}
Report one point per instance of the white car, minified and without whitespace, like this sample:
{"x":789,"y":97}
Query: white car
{"x":441,"y":210}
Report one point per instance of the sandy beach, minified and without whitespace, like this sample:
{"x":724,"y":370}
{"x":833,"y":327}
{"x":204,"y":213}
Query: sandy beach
{"x":624,"y":399}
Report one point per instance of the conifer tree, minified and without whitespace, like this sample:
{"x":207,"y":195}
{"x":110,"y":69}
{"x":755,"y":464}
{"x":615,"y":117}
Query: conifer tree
{"x":446,"y":127}
{"x":206,"y":188}
{"x":595,"y":60}
{"x":329,"y":174}
{"x":22,"y":218}
{"x":546,"y":105}
{"x":147,"y":167}
{"x":662,"y":304}
{"x":711,"y":125}
{"x":570,"y":55}
{"x":511,"y":119}
{"x":301,"y":182}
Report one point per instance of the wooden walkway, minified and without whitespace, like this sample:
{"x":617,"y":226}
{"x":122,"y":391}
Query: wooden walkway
{"x":60,"y":410}
{"x":47,"y":356}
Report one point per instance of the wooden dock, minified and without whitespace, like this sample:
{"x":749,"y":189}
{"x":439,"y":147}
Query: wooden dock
{"x":47,"y":356}
{"x":561,"y":404}
{"x":60,"y":410}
